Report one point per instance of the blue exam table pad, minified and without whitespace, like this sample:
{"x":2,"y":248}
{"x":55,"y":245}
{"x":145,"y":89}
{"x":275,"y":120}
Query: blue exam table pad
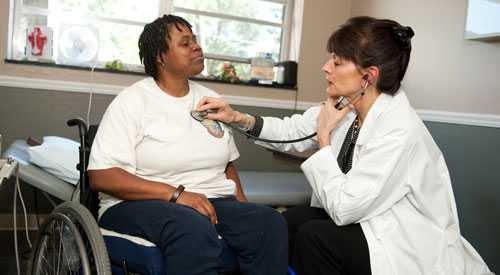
{"x":270,"y":188}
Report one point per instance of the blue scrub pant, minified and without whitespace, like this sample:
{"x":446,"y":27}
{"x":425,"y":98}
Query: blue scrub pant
{"x":189,"y":242}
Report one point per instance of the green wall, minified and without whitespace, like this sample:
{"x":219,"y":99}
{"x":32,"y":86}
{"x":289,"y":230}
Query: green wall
{"x":472,"y":155}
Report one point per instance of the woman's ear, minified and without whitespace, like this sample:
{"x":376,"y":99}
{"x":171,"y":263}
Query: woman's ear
{"x":371,"y":74}
{"x":160,"y":60}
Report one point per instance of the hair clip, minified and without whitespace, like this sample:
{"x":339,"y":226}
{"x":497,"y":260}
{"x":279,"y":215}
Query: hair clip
{"x":403,"y":35}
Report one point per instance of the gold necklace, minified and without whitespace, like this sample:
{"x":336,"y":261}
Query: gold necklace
{"x":355,"y":131}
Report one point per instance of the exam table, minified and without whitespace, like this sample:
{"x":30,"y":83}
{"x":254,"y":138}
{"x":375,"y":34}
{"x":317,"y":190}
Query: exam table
{"x":270,"y":188}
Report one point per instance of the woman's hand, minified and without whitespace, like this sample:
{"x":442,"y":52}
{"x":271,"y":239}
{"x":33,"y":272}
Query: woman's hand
{"x":328,"y":120}
{"x":222,"y":110}
{"x":199,"y":203}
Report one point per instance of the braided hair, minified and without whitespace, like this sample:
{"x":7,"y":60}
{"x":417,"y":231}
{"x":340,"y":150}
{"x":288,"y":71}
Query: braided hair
{"x":154,"y":40}
{"x":368,"y":41}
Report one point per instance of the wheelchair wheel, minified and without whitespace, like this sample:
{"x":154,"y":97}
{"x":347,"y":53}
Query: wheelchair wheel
{"x":70,"y":242}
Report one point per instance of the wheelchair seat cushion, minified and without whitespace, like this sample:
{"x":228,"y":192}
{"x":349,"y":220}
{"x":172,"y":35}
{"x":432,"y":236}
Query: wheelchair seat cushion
{"x":144,"y":257}
{"x":146,"y":260}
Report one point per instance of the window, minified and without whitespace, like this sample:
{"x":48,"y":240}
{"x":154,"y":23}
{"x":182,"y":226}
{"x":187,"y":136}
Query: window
{"x":483,"y":22}
{"x":93,"y":32}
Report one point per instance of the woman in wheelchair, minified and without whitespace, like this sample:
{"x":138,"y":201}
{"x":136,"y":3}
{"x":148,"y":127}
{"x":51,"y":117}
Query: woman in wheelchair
{"x":169,"y":178}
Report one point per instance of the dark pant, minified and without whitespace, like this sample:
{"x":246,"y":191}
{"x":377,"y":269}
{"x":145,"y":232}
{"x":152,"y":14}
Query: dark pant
{"x":189,"y":242}
{"x":319,"y":247}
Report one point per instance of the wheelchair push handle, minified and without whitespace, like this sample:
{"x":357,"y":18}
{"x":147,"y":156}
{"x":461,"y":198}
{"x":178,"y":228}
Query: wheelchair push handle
{"x":82,"y":126}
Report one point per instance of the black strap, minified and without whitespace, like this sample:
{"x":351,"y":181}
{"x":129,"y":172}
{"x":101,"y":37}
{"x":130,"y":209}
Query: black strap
{"x":257,"y":128}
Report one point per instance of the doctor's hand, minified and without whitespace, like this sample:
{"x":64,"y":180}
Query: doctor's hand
{"x":198,"y":202}
{"x":222,"y":111}
{"x":328,"y":119}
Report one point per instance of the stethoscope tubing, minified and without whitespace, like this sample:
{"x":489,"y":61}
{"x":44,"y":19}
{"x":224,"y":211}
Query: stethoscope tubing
{"x":199,"y":118}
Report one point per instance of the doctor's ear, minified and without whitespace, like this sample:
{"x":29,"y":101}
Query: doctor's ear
{"x":370,"y":75}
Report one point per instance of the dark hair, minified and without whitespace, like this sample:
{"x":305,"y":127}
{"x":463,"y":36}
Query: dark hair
{"x":154,"y":40}
{"x":368,"y":41}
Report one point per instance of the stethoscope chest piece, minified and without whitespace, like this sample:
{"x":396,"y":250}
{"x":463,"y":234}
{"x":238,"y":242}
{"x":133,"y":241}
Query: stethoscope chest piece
{"x":213,"y":126}
{"x":199,"y":116}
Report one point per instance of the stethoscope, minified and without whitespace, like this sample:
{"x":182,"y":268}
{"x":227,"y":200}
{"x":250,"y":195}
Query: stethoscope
{"x":200,"y":116}
{"x":341,"y":104}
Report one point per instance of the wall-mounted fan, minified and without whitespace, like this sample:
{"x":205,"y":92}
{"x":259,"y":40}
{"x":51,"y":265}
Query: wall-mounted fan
{"x":77,"y":45}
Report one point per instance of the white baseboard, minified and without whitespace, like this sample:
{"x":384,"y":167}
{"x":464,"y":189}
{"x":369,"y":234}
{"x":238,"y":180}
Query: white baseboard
{"x":486,"y":120}
{"x":7,"y":223}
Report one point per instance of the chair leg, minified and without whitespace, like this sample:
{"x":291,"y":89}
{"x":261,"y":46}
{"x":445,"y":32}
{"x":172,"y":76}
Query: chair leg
{"x":124,"y":267}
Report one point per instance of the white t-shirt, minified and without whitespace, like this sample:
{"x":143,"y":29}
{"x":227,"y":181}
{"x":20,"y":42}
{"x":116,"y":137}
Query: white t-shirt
{"x":152,"y":135}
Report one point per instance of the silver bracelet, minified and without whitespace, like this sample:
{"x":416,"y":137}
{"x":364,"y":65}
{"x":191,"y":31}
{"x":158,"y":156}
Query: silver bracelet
{"x":247,"y":125}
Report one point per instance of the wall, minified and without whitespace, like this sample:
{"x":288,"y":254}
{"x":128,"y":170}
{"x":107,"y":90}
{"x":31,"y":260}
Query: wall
{"x":472,"y":157}
{"x":471,"y":153}
{"x":320,"y":18}
{"x":446,"y":72}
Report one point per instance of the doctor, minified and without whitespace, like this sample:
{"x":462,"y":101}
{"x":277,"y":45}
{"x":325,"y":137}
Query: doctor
{"x":382,"y":198}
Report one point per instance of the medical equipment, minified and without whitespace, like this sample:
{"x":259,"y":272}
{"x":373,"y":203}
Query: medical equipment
{"x":201,"y":116}
{"x":342,"y":102}
{"x":124,"y":253}
{"x":7,"y":167}
{"x":70,"y":242}
{"x":213,"y":126}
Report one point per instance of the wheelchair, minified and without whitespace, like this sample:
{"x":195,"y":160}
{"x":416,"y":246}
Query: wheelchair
{"x":71,"y":242}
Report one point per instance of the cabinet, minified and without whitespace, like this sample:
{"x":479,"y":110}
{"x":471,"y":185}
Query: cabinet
{"x":483,"y":20}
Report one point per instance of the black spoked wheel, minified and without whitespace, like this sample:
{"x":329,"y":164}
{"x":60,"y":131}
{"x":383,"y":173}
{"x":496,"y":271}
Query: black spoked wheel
{"x":70,"y":242}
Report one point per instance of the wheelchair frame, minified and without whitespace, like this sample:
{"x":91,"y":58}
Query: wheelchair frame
{"x":70,"y":241}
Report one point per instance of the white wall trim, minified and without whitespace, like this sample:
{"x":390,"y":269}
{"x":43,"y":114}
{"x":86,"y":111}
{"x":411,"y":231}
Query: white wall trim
{"x":58,"y":85}
{"x":473,"y":119}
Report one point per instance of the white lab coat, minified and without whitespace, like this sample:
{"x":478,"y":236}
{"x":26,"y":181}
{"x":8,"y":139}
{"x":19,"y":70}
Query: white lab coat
{"x":398,"y":189}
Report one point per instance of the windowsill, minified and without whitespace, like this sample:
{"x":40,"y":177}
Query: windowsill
{"x":81,"y":68}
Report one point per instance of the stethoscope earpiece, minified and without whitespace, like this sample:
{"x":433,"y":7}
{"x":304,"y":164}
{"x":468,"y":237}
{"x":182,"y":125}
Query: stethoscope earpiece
{"x":365,"y":78}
